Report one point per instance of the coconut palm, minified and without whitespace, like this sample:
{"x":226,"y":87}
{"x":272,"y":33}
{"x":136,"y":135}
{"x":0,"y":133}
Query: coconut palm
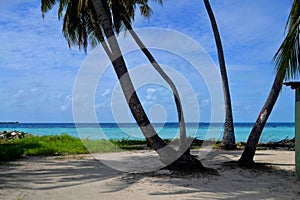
{"x":228,"y":141}
{"x":286,"y":61}
{"x":98,"y":25}
{"x":125,"y":16}
{"x":183,"y":147}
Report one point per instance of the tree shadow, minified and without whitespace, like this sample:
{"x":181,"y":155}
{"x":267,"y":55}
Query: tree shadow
{"x":44,"y":173}
{"x":266,"y":180}
{"x":260,"y":181}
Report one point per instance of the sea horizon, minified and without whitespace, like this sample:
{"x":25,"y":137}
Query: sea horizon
{"x":273,"y":131}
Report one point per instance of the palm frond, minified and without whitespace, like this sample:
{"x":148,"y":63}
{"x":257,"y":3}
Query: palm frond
{"x":47,"y":5}
{"x":145,"y":10}
{"x":75,"y":25}
{"x":81,"y":27}
{"x":62,"y":5}
{"x":117,"y":9}
{"x":287,"y":58}
{"x":294,"y":15}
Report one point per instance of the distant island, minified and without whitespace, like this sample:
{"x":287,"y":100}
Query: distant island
{"x":9,"y":122}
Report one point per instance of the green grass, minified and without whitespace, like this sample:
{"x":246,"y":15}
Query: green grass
{"x":10,"y":152}
{"x":29,"y":145}
{"x":100,"y":146}
{"x":127,"y":144}
{"x":52,"y":145}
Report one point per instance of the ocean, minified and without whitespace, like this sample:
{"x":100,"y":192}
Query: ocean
{"x":272,"y":131}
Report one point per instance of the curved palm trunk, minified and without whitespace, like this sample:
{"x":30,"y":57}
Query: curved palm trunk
{"x":183,"y":148}
{"x":166,"y":153}
{"x":228,"y":141}
{"x":128,"y":89}
{"x":250,"y":148}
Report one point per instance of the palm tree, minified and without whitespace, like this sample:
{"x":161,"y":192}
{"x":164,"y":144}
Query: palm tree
{"x":183,"y":147}
{"x":78,"y":33}
{"x":228,"y":141}
{"x":286,"y":61}
{"x":125,"y":14}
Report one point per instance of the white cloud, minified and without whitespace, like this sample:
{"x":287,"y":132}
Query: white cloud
{"x":30,"y":42}
{"x":67,"y":102}
{"x":38,"y":69}
{"x":151,"y":94}
{"x":106,"y":92}
{"x":5,"y":5}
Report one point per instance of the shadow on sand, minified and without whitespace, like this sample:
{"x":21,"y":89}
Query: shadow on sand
{"x":232,"y":181}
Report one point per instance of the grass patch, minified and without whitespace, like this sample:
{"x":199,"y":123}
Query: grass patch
{"x":30,"y":145}
{"x":52,"y":145}
{"x":127,"y":144}
{"x":100,"y":146}
{"x":10,"y":152}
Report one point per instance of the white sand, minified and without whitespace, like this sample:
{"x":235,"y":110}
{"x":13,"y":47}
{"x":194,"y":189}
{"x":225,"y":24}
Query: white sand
{"x":83,"y":177}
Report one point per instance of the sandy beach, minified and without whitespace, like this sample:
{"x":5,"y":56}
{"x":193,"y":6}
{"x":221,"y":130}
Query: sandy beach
{"x":84,"y":177}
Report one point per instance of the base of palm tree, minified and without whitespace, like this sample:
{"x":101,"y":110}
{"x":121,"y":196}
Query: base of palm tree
{"x":228,"y":147}
{"x":247,"y":157}
{"x":187,"y":163}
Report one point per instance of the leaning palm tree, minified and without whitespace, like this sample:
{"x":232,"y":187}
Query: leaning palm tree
{"x":183,"y":147}
{"x":98,"y":23}
{"x":286,"y":61}
{"x":124,"y":14}
{"x":228,"y":141}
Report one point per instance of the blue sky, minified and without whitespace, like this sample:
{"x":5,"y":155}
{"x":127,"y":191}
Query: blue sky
{"x":38,"y":69}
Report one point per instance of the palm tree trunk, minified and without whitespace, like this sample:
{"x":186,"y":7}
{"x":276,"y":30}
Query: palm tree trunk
{"x":250,"y":148}
{"x":128,"y":89}
{"x":100,"y":37}
{"x":228,"y":141}
{"x":167,"y":155}
{"x":183,"y":148}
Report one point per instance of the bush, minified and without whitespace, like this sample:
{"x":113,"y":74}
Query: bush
{"x":10,"y":152}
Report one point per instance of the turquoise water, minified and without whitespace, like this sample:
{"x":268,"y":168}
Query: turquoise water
{"x":272,"y":131}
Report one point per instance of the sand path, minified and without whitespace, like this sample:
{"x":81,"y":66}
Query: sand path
{"x":84,"y":177}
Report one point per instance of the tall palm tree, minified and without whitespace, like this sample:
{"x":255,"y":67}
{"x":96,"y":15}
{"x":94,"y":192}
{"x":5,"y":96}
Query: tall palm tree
{"x":79,"y":33}
{"x":184,"y":147}
{"x":125,"y":15}
{"x":228,"y":141}
{"x":286,"y":61}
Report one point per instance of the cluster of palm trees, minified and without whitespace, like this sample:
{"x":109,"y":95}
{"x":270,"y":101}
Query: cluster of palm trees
{"x":93,"y":22}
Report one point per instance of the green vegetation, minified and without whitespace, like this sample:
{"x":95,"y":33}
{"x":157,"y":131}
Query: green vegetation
{"x":10,"y":152}
{"x":64,"y":144}
{"x":128,"y":144}
{"x":52,"y":145}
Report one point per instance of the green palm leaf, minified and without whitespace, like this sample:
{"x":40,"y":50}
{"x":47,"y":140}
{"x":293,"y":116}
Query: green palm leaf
{"x":80,"y":24}
{"x":287,"y":57}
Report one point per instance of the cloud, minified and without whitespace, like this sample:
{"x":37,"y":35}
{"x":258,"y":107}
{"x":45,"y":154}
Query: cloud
{"x":18,"y":98}
{"x":31,"y":42}
{"x":151,"y":94}
{"x":38,"y":70}
{"x":106,"y":92}
{"x":5,"y":5}
{"x":67,"y":102}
